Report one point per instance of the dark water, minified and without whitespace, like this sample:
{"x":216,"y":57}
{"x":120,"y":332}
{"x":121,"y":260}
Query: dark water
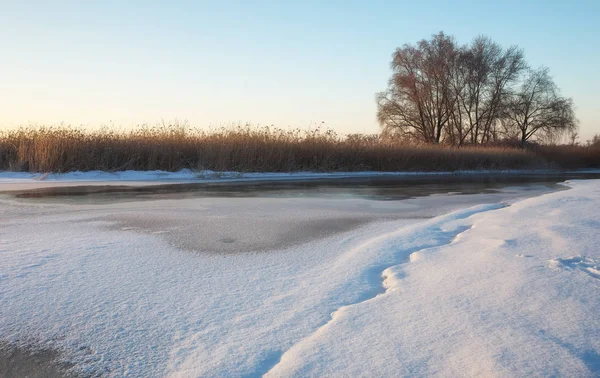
{"x":375,"y":188}
{"x":20,"y":362}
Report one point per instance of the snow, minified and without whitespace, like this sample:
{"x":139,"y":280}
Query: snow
{"x":184,"y":175}
{"x":470,"y":308}
{"x":477,"y":285}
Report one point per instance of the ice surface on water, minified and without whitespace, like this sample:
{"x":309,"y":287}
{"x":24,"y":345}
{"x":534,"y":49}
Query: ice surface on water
{"x":226,"y":287}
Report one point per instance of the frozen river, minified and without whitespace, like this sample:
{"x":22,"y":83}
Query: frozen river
{"x":265,"y":216}
{"x":214,"y":280}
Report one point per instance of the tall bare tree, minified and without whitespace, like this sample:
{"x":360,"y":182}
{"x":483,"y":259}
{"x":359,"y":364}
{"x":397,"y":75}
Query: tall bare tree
{"x":419,"y":97}
{"x":537,"y":109}
{"x":442,"y":92}
{"x":486,"y":71}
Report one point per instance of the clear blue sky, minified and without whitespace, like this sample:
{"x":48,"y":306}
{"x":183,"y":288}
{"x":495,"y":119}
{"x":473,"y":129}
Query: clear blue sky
{"x":292,"y":63}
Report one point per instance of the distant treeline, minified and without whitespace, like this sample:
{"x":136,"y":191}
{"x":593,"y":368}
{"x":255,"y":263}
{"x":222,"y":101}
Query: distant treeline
{"x":250,"y":149}
{"x":480,"y":93}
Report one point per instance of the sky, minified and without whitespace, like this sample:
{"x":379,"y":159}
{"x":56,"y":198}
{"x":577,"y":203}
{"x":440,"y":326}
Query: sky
{"x":282,"y":63}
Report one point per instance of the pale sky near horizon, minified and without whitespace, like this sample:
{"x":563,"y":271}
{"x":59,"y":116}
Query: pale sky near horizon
{"x":296,"y":63}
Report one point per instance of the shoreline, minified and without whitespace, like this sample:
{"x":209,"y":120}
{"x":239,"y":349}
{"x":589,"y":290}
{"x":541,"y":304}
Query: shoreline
{"x":187,"y":179}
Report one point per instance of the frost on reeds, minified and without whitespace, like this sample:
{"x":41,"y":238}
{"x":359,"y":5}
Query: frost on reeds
{"x":250,"y":149}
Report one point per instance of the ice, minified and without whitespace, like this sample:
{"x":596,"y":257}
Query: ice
{"x":469,"y":285}
{"x":12,"y":181}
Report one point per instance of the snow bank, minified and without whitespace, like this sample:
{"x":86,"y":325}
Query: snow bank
{"x":487,"y":290}
{"x":513,"y":293}
{"x":185,"y":175}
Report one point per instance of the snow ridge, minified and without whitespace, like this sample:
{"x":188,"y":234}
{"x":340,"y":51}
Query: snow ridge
{"x":390,"y":277}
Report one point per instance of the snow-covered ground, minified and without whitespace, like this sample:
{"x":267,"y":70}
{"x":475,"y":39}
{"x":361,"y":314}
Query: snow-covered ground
{"x":25,"y":180}
{"x":184,"y":175}
{"x":474,"y":285}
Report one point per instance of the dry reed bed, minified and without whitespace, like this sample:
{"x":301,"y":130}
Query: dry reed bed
{"x":247,"y":149}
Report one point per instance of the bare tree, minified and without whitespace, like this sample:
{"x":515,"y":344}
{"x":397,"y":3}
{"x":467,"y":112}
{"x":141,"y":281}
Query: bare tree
{"x":419,"y":97}
{"x":443,"y":92}
{"x":487,"y":71}
{"x":537,"y":109}
{"x":573,"y":136}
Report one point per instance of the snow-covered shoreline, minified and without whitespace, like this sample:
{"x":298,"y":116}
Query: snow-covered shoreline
{"x":502,"y":288}
{"x":513,"y":292}
{"x":187,"y":174}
